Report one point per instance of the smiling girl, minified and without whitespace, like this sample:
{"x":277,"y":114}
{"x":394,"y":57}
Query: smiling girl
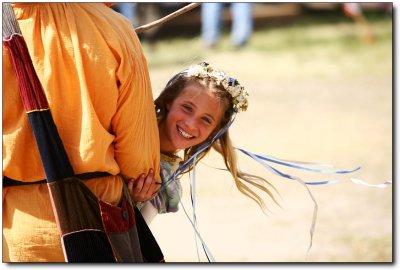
{"x":194,"y":112}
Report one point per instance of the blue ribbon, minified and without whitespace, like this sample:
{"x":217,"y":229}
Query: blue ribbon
{"x":262,"y":158}
{"x":206,"y":250}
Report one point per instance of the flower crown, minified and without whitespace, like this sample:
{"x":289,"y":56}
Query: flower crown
{"x":231,"y":85}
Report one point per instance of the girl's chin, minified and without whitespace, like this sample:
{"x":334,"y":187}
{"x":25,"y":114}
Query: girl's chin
{"x":182,"y":146}
{"x":183,"y":143}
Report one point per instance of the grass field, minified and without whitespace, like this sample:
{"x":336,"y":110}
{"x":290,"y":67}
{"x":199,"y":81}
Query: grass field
{"x":318,"y":93}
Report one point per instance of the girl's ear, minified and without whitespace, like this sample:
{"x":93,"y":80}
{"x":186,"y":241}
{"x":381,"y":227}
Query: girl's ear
{"x":168,"y":106}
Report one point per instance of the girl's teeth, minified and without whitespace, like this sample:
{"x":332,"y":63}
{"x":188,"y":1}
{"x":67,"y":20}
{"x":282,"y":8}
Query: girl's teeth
{"x":184,"y":134}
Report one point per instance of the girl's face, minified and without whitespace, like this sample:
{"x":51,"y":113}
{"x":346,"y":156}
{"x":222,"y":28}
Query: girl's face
{"x":191,"y":118}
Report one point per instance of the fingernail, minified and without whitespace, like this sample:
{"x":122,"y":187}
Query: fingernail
{"x":151,"y":170}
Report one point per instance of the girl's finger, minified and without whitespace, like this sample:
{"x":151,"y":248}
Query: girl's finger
{"x":150,"y":174}
{"x":130,"y":185}
{"x":146,"y":186}
{"x":139,"y":183}
{"x":148,"y":182}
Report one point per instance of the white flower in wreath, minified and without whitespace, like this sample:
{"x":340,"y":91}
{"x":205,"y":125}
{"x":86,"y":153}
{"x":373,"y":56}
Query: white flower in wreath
{"x":231,"y":85}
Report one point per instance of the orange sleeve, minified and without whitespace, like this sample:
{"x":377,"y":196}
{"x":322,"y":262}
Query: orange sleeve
{"x":134,"y":121}
{"x":95,"y":77}
{"x":93,"y":71}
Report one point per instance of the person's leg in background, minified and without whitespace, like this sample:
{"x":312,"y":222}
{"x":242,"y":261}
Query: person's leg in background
{"x":211,"y":22}
{"x":355,"y":12}
{"x":242,"y":23}
{"x":129,"y":11}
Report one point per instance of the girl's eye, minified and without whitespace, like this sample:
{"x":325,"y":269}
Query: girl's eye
{"x":207,"y":120}
{"x":187,"y":108}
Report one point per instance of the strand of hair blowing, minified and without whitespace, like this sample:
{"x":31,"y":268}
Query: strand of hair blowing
{"x":243,"y":180}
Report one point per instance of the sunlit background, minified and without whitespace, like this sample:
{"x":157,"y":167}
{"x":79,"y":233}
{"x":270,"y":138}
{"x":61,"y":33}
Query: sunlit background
{"x":321,"y":89}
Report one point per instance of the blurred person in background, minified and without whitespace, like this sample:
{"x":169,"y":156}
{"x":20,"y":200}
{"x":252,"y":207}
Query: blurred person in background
{"x":211,"y":20}
{"x":139,"y":14}
{"x":128,"y":9}
{"x":354,"y":11}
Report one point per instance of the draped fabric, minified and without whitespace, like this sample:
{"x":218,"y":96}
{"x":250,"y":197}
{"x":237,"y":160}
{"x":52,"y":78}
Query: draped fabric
{"x":82,"y":53}
{"x":168,"y":199}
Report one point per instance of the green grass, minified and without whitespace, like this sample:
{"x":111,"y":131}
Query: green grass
{"x":335,"y":35}
{"x":340,"y":36}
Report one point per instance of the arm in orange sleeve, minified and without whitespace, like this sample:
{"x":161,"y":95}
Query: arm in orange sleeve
{"x":137,"y":147}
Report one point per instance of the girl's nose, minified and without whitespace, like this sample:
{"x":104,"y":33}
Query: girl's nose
{"x":190,"y":123}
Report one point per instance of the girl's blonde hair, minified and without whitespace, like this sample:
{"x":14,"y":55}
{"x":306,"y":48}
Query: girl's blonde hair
{"x":223,"y":145}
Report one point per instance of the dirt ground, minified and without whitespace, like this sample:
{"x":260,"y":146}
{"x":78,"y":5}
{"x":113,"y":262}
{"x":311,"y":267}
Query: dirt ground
{"x":309,"y":105}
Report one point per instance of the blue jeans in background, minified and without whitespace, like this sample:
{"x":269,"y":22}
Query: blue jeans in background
{"x":242,"y":22}
{"x":128,"y":10}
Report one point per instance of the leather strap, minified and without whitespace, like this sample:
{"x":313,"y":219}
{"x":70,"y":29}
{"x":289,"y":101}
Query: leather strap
{"x":8,"y":182}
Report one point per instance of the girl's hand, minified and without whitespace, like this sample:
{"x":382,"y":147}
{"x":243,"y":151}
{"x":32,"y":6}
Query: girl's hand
{"x":143,"y":188}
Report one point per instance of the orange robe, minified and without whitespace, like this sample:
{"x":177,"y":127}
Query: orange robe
{"x":95,"y":76}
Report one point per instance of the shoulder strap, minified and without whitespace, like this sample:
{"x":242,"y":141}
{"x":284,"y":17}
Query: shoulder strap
{"x":52,"y":152}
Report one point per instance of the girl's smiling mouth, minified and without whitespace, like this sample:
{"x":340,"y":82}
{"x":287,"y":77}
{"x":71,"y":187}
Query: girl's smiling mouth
{"x":184,"y":134}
